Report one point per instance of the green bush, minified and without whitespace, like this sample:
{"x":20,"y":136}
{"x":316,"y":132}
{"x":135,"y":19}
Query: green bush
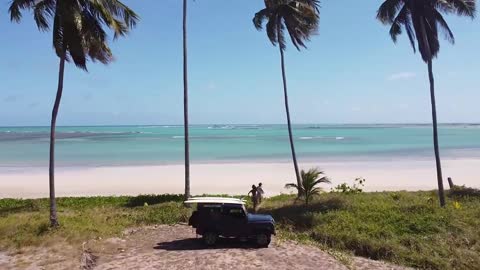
{"x":345,"y":188}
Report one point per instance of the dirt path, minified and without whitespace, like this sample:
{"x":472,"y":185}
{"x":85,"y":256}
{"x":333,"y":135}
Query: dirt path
{"x":175,"y":247}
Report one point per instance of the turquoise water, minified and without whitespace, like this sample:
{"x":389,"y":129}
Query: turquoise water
{"x":142,"y":145}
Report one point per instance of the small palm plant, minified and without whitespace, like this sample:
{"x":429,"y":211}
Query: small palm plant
{"x":309,"y":182}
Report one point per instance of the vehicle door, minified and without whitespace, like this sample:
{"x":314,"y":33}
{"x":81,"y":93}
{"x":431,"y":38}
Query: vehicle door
{"x":234,"y":221}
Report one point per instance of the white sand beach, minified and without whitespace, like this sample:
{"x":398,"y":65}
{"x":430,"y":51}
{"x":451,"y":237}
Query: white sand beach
{"x":231,"y":178}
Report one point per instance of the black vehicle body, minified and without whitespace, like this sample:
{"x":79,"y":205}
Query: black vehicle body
{"x":231,"y":220}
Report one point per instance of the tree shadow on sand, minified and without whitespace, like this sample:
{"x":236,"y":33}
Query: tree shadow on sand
{"x":301,"y":216}
{"x":197,"y":244}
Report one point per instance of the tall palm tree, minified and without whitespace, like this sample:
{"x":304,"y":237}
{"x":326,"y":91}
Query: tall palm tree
{"x":300,"y":19}
{"x":308,"y":186}
{"x":78,"y":35}
{"x":422,"y":19}
{"x":185,"y":103}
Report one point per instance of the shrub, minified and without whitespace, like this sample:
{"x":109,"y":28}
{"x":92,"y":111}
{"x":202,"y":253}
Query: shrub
{"x":345,"y":188}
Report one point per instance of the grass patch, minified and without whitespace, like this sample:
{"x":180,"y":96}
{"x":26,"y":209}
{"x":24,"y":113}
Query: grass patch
{"x":25,"y":222}
{"x":406,"y":228}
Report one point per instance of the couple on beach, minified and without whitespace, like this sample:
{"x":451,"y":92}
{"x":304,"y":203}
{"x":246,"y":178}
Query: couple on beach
{"x":257,"y":195}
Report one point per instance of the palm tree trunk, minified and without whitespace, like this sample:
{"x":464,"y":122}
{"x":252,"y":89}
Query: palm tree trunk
{"x":441,"y":193}
{"x":287,"y":109}
{"x":185,"y":103}
{"x":51,"y":169}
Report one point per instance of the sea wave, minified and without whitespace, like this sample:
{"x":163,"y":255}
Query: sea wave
{"x":321,"y":138}
{"x":236,"y":127}
{"x":221,"y":127}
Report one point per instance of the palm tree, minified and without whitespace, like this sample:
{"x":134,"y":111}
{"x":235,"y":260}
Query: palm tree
{"x":300,"y":19}
{"x":185,"y":103}
{"x":422,"y":19}
{"x":308,"y":186}
{"x":78,"y":35}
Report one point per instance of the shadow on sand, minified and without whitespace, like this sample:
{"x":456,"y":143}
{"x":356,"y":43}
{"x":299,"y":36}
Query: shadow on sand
{"x":301,"y":216}
{"x":197,"y":244}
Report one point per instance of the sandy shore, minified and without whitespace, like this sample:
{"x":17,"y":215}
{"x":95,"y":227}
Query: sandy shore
{"x":230,"y":178}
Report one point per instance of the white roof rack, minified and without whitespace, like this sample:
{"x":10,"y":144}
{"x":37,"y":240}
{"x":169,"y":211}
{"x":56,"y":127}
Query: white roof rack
{"x":214,"y":200}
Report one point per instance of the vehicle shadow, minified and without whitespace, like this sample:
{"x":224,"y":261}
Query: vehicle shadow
{"x":197,"y":244}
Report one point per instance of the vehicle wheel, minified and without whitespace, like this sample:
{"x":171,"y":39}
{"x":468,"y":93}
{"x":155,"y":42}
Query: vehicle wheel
{"x":263,"y":239}
{"x":210,"y":238}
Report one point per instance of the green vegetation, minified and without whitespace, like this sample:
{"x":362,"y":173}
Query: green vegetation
{"x":309,"y":185}
{"x":406,"y":228}
{"x":346,"y":188}
{"x":25,"y":222}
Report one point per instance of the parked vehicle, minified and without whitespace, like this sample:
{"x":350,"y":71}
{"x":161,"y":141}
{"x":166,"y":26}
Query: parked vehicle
{"x":228,"y":217}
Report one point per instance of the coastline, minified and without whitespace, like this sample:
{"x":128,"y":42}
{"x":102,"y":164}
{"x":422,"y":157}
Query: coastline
{"x":232,"y":177}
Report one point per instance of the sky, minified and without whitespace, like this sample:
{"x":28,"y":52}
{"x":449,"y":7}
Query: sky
{"x":351,"y":72}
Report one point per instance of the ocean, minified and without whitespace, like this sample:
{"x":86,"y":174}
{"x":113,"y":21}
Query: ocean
{"x":163,"y":144}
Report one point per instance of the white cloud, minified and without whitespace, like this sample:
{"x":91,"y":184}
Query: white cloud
{"x":401,"y":76}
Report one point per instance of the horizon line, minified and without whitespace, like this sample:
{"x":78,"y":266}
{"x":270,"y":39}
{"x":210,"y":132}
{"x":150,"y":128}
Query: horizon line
{"x":240,"y":124}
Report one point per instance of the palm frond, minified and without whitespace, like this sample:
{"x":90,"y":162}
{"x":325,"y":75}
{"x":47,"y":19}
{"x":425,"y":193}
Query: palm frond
{"x":395,"y":29}
{"x":259,"y":18}
{"x":432,"y":37}
{"x":388,"y":10}
{"x":316,"y":191}
{"x":57,"y":35}
{"x":114,"y":15}
{"x":272,"y":29}
{"x":444,"y":27}
{"x":16,"y":7}
{"x":323,"y":180}
{"x":291,"y":185}
{"x":280,"y":34}
{"x":459,"y":7}
{"x":120,"y":10}
{"x":403,"y":18}
{"x":409,"y":29}
{"x":43,"y":12}
{"x":299,"y":17}
{"x":314,"y":4}
{"x":73,"y":39}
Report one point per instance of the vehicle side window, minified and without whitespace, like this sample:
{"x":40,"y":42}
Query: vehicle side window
{"x":234,"y":212}
{"x":212,"y":212}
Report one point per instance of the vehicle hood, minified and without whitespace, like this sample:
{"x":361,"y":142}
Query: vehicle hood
{"x":256,"y":218}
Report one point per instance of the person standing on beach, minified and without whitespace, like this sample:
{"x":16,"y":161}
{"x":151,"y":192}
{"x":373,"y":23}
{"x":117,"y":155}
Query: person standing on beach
{"x":260,"y":193}
{"x":254,"y":197}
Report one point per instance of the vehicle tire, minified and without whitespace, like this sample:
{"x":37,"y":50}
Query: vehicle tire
{"x":263,"y":239}
{"x":210,"y":238}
